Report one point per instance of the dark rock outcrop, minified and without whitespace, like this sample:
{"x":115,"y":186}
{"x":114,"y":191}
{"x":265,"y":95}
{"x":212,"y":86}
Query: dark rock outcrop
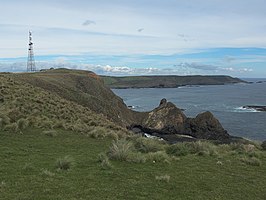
{"x":206,"y":126}
{"x":169,"y":122}
{"x":166,"y":118}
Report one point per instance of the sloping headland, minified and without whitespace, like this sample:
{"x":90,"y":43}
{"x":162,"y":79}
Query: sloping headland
{"x":167,"y":81}
{"x":167,"y":121}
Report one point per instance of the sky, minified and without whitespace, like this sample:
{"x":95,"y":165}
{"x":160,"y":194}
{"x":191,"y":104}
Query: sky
{"x":137,"y":37}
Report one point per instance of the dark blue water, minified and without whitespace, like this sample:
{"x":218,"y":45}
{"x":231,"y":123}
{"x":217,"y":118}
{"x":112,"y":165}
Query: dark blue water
{"x":224,"y":101}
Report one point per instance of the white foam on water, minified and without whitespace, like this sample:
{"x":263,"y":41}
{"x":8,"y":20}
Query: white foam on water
{"x":242,"y":109}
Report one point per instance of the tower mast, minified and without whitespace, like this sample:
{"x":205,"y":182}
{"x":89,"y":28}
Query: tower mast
{"x":31,"y":62}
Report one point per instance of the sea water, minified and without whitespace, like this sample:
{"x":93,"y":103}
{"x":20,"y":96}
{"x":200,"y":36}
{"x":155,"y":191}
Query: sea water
{"x":224,"y":101}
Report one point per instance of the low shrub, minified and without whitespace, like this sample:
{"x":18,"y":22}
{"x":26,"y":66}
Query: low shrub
{"x":120,"y":150}
{"x":64,"y":163}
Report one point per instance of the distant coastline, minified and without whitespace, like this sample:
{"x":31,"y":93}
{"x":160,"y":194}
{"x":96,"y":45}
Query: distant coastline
{"x":167,"y":81}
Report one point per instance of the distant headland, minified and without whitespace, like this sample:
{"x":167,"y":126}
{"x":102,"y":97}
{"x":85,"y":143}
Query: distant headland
{"x":169,"y":81}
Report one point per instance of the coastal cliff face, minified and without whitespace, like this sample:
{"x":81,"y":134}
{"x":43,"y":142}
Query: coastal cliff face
{"x":87,"y":89}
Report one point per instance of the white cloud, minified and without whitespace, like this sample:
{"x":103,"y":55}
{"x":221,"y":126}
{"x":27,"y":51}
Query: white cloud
{"x":241,"y":70}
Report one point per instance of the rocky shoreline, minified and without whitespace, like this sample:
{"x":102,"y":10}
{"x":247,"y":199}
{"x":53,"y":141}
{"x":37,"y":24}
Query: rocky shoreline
{"x":170,"y":123}
{"x":257,"y":108}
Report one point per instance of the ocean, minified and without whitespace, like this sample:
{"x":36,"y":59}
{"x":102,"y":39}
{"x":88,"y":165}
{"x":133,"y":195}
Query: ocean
{"x":224,"y":101}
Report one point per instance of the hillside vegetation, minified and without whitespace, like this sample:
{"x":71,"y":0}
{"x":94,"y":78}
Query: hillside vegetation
{"x":23,"y":105}
{"x":166,"y":81}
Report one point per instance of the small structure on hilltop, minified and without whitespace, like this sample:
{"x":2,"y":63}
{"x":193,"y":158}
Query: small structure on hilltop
{"x":31,"y":62}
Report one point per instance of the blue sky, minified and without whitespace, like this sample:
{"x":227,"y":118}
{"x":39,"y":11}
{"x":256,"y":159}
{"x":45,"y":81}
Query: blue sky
{"x":125,"y":37}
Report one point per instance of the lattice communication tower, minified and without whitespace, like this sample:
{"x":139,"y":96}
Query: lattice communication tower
{"x":31,"y":62}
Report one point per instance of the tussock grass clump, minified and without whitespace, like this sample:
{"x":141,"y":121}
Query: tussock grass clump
{"x":2,"y":184}
{"x":4,"y":120}
{"x":179,"y":149}
{"x":137,"y":157}
{"x":163,"y":178}
{"x":238,"y":148}
{"x":120,"y":150}
{"x":46,"y":172}
{"x":50,"y":133}
{"x":159,"y":156}
{"x":64,"y":163}
{"x":253,"y":161}
{"x":98,"y":132}
{"x":202,"y":148}
{"x":104,"y":161}
{"x":22,"y":124}
{"x":28,"y":167}
{"x":198,"y":147}
{"x":146,"y":145}
{"x":13,"y":127}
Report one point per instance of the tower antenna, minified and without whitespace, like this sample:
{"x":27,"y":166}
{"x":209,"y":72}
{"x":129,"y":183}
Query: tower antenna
{"x":31,"y":62}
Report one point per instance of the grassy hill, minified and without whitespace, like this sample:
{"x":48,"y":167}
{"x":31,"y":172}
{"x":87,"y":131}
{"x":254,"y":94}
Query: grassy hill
{"x":55,"y":145}
{"x":23,"y":105}
{"x":83,"y":87}
{"x":166,"y":81}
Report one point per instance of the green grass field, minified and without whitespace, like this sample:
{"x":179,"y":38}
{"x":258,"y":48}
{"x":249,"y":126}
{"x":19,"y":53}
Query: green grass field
{"x":29,"y":170}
